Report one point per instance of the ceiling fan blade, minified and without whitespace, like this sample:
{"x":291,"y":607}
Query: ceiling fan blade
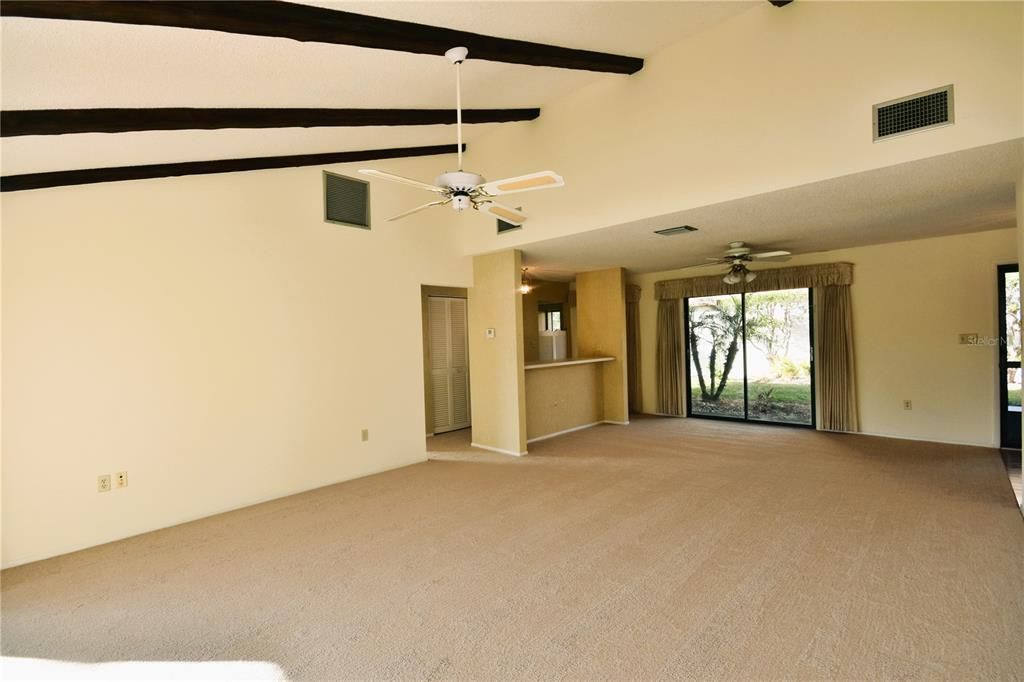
{"x":774,"y":259}
{"x":770,"y":254}
{"x":523,"y":183}
{"x":398,"y":178}
{"x":420,"y":208}
{"x":502,"y":212}
{"x":705,"y":265}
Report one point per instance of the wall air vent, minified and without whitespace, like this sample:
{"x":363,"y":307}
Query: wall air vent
{"x":508,"y":227}
{"x":924,"y":110}
{"x":346,"y":201}
{"x":682,"y":229}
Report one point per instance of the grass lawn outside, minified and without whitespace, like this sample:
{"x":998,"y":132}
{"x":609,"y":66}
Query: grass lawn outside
{"x":789,"y":402}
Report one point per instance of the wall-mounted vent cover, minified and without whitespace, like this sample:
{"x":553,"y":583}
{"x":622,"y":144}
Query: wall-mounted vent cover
{"x":346,"y":201}
{"x":910,"y":114}
{"x":682,"y":229}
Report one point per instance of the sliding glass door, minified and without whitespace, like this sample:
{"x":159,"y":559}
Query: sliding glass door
{"x":749,"y":357}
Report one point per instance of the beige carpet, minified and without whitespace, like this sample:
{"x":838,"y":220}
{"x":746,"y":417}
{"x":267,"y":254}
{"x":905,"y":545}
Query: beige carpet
{"x":665,"y":549}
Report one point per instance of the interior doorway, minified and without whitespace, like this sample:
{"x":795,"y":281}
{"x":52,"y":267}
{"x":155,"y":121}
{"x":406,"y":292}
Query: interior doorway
{"x":446,"y":360}
{"x":750,"y":357}
{"x":1009,"y":356}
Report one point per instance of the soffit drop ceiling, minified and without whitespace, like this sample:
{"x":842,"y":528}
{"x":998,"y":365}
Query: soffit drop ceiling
{"x":962,"y":192}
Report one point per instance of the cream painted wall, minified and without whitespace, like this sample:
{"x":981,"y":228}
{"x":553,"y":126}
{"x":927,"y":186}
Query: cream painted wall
{"x":213,"y":337}
{"x":601,"y":332}
{"x":911,"y":300}
{"x":768,"y":99}
{"x":496,"y":364}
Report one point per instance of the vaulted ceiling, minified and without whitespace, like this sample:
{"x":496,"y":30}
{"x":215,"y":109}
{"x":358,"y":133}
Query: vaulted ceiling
{"x":68,"y":64}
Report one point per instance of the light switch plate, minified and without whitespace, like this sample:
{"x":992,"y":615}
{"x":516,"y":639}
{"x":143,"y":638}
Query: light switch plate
{"x":490,"y":332}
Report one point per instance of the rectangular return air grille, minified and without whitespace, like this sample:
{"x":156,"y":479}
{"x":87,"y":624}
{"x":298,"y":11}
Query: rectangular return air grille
{"x":346,"y":201}
{"x":917,"y":112}
{"x":682,"y":229}
{"x":508,"y":227}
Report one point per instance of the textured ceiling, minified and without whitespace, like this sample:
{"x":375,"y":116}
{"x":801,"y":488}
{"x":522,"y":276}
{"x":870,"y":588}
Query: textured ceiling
{"x":71,"y":64}
{"x":968,"y":191}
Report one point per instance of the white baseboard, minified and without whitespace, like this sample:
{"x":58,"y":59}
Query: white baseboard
{"x":866,"y":433}
{"x":918,"y":440}
{"x":499,"y":450}
{"x":576,"y":428}
{"x":562,"y":433}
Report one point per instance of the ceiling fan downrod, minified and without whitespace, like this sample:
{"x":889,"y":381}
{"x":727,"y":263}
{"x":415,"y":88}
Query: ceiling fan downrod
{"x":456,"y":56}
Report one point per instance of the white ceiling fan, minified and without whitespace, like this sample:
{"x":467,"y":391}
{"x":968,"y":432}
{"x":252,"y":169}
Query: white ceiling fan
{"x":737,"y":256}
{"x":462,"y":189}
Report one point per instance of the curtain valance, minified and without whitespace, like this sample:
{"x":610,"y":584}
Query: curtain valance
{"x":797,"y":277}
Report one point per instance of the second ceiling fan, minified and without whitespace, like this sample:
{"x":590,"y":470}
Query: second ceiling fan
{"x":737,"y":256}
{"x":463,"y":189}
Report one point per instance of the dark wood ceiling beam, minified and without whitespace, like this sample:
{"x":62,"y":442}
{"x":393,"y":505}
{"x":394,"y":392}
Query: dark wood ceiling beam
{"x":317,"y":24}
{"x":87,"y":176}
{"x":67,"y":121}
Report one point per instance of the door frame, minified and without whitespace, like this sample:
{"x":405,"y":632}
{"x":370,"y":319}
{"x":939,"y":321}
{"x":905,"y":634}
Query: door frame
{"x":1002,"y":364}
{"x":426,"y":292}
{"x":745,"y":419}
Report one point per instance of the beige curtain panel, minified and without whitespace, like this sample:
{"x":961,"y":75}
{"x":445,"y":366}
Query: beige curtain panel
{"x":837,"y":391}
{"x":670,"y":357}
{"x":633,"y":348}
{"x":798,"y":277}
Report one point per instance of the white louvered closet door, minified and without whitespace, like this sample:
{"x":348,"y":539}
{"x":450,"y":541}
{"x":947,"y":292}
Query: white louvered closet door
{"x":449,"y":362}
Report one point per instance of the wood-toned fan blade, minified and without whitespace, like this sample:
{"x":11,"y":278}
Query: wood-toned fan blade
{"x":523,"y":183}
{"x":420,"y":208}
{"x":769,"y":254}
{"x":381,"y":175}
{"x":509,"y":215}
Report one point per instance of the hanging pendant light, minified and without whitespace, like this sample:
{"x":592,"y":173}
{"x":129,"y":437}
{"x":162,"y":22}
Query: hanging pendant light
{"x":524,"y":285}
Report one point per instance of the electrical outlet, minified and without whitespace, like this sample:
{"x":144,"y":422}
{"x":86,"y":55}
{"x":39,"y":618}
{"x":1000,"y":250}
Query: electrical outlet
{"x":121,"y":479}
{"x":365,"y":435}
{"x":103,"y":483}
{"x":907,"y":405}
{"x":490,"y":332}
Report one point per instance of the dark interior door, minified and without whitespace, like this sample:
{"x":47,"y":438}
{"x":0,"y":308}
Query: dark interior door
{"x":1009,"y":356}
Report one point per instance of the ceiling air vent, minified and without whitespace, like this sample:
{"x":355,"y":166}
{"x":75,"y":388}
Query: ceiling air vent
{"x":346,"y":201}
{"x":924,"y":110}
{"x":682,"y":229}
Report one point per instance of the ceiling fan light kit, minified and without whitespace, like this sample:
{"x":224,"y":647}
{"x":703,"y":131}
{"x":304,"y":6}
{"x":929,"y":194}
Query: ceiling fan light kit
{"x":737,"y":255}
{"x":463,"y":189}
